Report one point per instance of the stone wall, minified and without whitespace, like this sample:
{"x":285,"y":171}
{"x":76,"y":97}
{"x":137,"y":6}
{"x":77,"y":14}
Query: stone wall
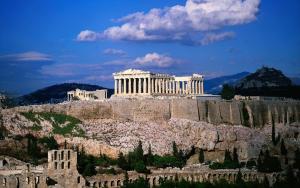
{"x":61,"y":172}
{"x":250,"y":113}
{"x":195,"y":175}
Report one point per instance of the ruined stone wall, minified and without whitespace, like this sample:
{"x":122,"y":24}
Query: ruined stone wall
{"x":61,"y":171}
{"x":249,"y":113}
{"x":154,"y":178}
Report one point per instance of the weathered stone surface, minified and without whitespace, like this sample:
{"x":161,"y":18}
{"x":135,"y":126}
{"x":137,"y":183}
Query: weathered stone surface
{"x":184,"y":109}
{"x":117,"y":125}
{"x":152,"y":110}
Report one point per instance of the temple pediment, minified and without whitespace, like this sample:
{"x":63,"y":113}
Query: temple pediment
{"x":131,"y":72}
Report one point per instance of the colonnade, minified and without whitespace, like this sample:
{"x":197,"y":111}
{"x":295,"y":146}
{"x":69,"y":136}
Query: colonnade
{"x":153,"y":85}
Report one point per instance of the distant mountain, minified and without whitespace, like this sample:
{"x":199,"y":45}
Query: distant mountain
{"x":264,"y":77}
{"x":214,"y":86}
{"x":56,"y":93}
{"x":295,"y":81}
{"x":267,"y":82}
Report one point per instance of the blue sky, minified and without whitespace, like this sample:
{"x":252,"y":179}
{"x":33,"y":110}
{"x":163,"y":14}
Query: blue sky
{"x":55,"y":41}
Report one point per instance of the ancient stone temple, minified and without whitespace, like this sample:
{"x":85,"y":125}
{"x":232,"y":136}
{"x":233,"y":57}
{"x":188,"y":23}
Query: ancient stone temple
{"x":134,"y":82}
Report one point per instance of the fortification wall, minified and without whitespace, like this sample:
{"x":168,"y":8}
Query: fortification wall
{"x":249,"y":113}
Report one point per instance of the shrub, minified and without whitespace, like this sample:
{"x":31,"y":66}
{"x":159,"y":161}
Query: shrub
{"x":62,"y":124}
{"x":201,"y":156}
{"x":227,"y":92}
{"x":36,"y":127}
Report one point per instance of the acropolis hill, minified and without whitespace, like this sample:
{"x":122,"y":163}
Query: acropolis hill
{"x":156,"y":110}
{"x":116,"y":125}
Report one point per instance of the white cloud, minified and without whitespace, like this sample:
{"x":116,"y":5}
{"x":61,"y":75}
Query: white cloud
{"x":213,"y":37}
{"x":179,"y":23}
{"x":87,"y":35}
{"x":111,"y":51}
{"x":70,"y":69}
{"x":155,"y":59}
{"x":27,"y":56}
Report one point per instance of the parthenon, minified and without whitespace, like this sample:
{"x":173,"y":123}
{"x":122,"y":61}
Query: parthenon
{"x":134,"y":82}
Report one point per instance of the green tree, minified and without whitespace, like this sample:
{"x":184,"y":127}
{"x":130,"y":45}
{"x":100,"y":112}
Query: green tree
{"x":201,"y":156}
{"x":140,"y":167}
{"x":227,"y":156}
{"x":139,"y":152}
{"x":175,"y":150}
{"x":122,"y":163}
{"x":150,"y":157}
{"x":283,"y":149}
{"x":235,"y":156}
{"x":239,"y":179}
{"x":227,"y":92}
{"x":260,"y":165}
{"x":297,"y":159}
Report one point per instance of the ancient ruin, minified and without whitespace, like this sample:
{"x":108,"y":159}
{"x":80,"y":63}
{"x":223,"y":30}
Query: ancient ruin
{"x":87,"y":95}
{"x":133,"y":82}
{"x":59,"y":172}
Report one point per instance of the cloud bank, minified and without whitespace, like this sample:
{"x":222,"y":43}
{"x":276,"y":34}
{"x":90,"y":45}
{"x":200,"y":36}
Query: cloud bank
{"x":26,"y":56}
{"x":112,"y":51}
{"x":188,"y":24}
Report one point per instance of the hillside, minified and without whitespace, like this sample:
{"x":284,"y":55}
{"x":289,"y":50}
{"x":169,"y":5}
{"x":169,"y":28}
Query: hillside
{"x":56,"y":93}
{"x":117,"y":125}
{"x":264,"y":77}
{"x":267,"y":82}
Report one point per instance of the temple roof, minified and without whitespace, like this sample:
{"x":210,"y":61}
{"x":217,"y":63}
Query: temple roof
{"x":132,"y":71}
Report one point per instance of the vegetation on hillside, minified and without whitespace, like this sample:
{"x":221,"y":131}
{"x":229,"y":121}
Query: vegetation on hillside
{"x":62,"y":124}
{"x":30,"y":149}
{"x":134,"y":160}
{"x":227,"y":92}
{"x":267,"y":163}
{"x":229,"y":162}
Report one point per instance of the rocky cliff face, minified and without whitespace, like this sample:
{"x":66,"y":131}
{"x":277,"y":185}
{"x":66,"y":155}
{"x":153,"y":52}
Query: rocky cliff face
{"x":249,"y":113}
{"x":117,"y":125}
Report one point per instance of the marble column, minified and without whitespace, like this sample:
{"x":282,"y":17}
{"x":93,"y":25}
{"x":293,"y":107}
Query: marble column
{"x":167,"y":86}
{"x":140,"y":86}
{"x":129,"y":86}
{"x":120,"y":86}
{"x":149,"y":85}
{"x":162,"y":85}
{"x":134,"y":85}
{"x":159,"y":86}
{"x":125,"y":86}
{"x":193,"y":87}
{"x":152,"y":85}
{"x":202,"y":87}
{"x":199,"y":87}
{"x":155,"y":86}
{"x":116,"y":89}
{"x":173,"y":87}
{"x":145,"y":86}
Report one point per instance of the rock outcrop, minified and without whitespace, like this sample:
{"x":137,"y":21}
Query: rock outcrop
{"x":117,"y":125}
